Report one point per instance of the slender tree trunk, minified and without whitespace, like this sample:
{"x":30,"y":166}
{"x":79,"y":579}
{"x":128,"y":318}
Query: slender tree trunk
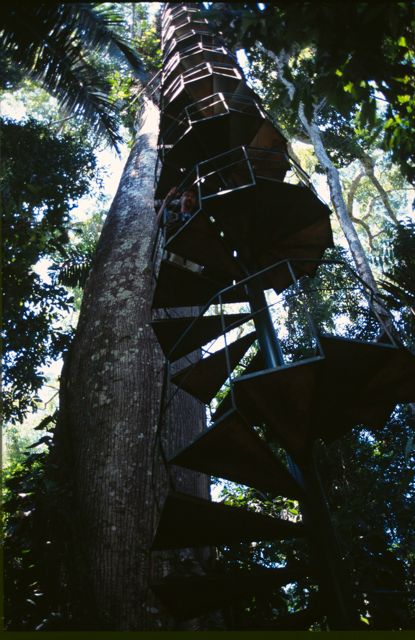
{"x":363,"y":267}
{"x":336,"y":193}
{"x":109,"y":433}
{"x":368,"y":165}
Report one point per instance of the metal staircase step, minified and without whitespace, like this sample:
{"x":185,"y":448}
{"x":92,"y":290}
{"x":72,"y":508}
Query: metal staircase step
{"x":178,"y":286}
{"x":209,"y":136}
{"x":189,"y":596}
{"x":304,"y":250}
{"x":187,"y":521}
{"x":232,"y":450}
{"x":390,"y":371}
{"x":257,"y":364}
{"x":282,"y":399}
{"x":188,"y":59}
{"x":356,"y":383}
{"x":204,"y":378}
{"x":200,"y":240}
{"x":271,"y":221}
{"x":206,"y":38}
{"x":205,"y":81}
{"x":180,"y":336}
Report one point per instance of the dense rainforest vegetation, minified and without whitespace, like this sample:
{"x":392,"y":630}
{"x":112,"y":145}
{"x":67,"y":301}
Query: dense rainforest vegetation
{"x":344,"y":97}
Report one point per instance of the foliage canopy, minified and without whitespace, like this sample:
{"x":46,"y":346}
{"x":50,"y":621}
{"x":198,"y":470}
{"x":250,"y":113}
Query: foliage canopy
{"x":54,"y":43}
{"x":362,"y":59}
{"x":37,"y":197}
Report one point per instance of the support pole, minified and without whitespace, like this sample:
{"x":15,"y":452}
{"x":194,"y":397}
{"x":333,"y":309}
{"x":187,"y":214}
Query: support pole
{"x":333,"y":581}
{"x":267,"y":338}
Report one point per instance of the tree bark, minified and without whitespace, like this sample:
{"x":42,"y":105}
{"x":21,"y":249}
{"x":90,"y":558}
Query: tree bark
{"x":336,"y":193}
{"x":349,"y":208}
{"x":368,"y":165}
{"x":108,"y":435}
{"x":363,"y":267}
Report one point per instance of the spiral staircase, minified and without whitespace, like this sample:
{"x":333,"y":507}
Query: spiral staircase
{"x":259,"y":229}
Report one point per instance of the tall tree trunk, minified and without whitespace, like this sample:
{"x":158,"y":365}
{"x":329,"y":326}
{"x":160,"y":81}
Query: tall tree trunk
{"x":109,"y":432}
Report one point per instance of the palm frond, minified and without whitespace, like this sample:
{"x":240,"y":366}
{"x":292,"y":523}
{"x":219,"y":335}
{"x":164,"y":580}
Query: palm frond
{"x":74,"y":271}
{"x":100,"y":25}
{"x":53,"y":43}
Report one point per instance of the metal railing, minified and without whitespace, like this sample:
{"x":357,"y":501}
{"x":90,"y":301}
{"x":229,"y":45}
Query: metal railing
{"x":183,"y":26}
{"x":189,"y":39}
{"x":295,"y":315}
{"x":185,"y":57}
{"x":214,"y":105}
{"x":196,"y":74}
{"x":239,"y":168}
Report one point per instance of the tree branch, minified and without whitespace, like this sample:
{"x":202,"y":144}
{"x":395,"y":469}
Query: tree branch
{"x":352,"y":191}
{"x":280,"y":60}
{"x":366,"y":227}
{"x":319,"y":107}
{"x":368,"y":165}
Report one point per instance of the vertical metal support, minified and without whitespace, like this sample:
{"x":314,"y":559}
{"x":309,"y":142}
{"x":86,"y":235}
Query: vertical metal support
{"x":267,"y":338}
{"x":333,"y":581}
